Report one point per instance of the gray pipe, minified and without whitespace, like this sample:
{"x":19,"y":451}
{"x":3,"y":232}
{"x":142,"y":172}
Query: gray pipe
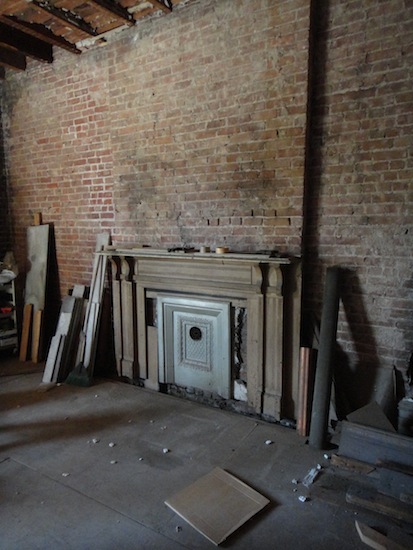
{"x":324,"y":367}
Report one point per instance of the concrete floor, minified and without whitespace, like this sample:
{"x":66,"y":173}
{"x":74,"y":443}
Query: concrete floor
{"x":61,"y":490}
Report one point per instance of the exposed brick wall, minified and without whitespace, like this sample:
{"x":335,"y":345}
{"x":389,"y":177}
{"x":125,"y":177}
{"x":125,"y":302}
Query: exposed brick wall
{"x":186,"y":130}
{"x":360,"y":203}
{"x":5,"y":222}
{"x":189,"y":129}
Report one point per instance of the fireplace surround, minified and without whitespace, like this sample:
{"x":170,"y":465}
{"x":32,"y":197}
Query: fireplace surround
{"x":174,"y":322}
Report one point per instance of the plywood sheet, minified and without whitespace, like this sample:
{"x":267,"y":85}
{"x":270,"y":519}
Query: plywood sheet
{"x":217,"y":504}
{"x":38,"y":247}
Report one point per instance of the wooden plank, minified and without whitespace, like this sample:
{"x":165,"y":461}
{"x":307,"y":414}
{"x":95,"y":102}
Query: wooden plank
{"x":37,"y":218}
{"x":351,"y":465}
{"x":37,"y":336}
{"x":62,"y":328}
{"x":370,"y":499}
{"x":53,"y":359}
{"x":396,"y":481}
{"x":375,"y":539}
{"x":304,"y":397}
{"x":26,"y":332}
{"x":89,"y":334}
{"x":71,"y":340}
{"x":373,"y":445}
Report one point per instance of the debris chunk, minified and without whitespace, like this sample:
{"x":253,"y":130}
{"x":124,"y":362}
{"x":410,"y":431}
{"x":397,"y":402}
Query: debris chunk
{"x":112,"y":444}
{"x":303,"y":498}
{"x":113,"y":461}
{"x":269,"y":442}
{"x":65,"y":474}
{"x":165,"y":450}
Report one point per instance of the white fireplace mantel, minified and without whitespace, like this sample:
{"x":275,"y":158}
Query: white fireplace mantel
{"x":269,"y":288}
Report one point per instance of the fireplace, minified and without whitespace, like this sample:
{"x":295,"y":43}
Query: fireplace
{"x":219,"y":324}
{"x":194,"y":344}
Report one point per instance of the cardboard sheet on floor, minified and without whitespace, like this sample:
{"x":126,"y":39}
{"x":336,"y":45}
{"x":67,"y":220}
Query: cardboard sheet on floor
{"x":217,"y":504}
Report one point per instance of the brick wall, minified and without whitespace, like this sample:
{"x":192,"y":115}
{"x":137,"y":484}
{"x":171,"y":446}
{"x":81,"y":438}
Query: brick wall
{"x":5,"y":222}
{"x":190,"y":129}
{"x":186,"y":130}
{"x":360,"y":183}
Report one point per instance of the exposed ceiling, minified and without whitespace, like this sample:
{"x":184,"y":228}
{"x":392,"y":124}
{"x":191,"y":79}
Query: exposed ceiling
{"x":31,"y":28}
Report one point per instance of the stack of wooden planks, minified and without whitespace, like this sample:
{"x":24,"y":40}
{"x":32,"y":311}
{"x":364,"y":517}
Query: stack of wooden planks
{"x":75,"y":340}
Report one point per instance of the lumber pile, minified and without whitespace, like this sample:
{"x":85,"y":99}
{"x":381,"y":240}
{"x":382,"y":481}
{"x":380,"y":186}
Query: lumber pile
{"x":371,"y":447}
{"x":72,"y":350}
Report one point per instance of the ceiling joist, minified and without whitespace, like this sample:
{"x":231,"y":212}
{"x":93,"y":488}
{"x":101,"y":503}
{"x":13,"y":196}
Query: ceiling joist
{"x":66,"y":17}
{"x":28,"y":45}
{"x":115,"y":9}
{"x":40,"y":32}
{"x":33,"y":27}
{"x":12,"y":59}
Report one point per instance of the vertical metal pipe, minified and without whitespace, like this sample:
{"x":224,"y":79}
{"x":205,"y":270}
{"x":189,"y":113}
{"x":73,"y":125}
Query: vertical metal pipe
{"x":324,"y":367}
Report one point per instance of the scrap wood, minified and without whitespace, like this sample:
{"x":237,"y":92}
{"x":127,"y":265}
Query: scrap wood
{"x":372,"y":445}
{"x":54,"y":354}
{"x":351,"y":464}
{"x":86,"y":352}
{"x":375,"y":539}
{"x":370,"y":499}
{"x":396,"y":480}
{"x":26,"y":331}
{"x":305,"y":384}
{"x":37,"y":352}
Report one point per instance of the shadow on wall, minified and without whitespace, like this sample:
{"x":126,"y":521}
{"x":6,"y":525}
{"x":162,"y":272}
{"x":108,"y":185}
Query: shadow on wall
{"x":358,"y":377}
{"x":358,"y":384}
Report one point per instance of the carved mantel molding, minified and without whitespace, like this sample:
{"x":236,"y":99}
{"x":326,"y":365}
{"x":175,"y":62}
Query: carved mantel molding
{"x":269,"y":288}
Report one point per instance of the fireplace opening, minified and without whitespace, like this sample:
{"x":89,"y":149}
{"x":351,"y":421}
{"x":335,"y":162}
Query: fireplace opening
{"x":194,"y":344}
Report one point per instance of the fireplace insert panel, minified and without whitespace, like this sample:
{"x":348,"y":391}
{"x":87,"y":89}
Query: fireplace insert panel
{"x":194,"y":341}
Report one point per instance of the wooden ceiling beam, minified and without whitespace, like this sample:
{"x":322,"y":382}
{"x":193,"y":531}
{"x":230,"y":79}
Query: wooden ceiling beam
{"x":164,"y":5}
{"x":66,"y":16}
{"x":12,"y":59}
{"x":115,"y":9}
{"x":40,"y":32}
{"x":28,"y":45}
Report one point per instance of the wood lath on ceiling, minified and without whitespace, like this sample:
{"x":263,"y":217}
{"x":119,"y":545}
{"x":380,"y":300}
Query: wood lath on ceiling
{"x":30,"y":28}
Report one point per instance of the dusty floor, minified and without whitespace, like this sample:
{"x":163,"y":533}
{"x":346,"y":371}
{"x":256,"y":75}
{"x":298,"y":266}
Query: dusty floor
{"x":63,"y":486}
